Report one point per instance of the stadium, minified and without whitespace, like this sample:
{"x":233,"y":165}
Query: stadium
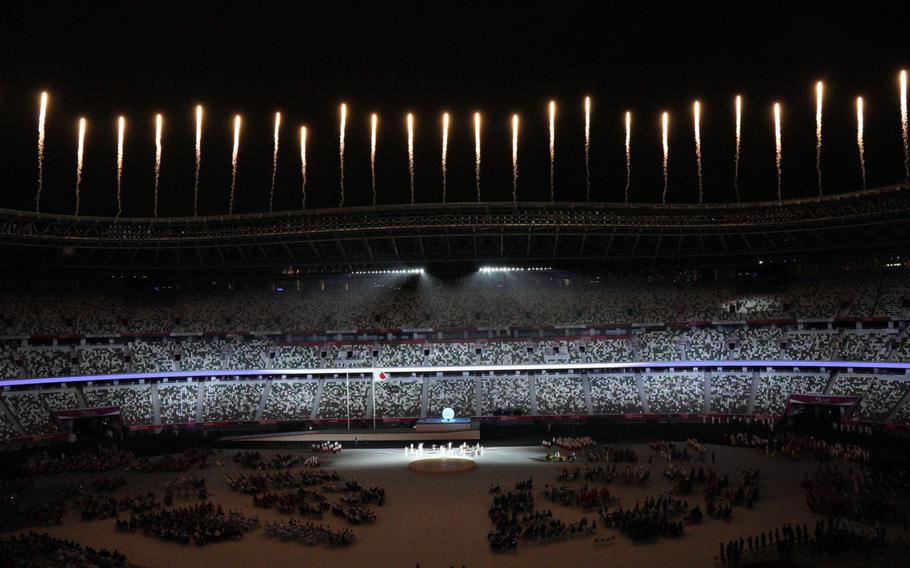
{"x":452,"y":382}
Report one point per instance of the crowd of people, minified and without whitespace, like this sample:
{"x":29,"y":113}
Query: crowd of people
{"x":110,"y":458}
{"x":354,"y":514}
{"x":830,"y":537}
{"x":254,"y":483}
{"x":515,"y":519}
{"x":656,"y":516}
{"x":310,"y":534}
{"x":17,"y":513}
{"x":584,"y":497}
{"x":185,"y":487}
{"x":300,"y":501}
{"x":326,"y":447}
{"x":30,"y":549}
{"x":692,"y":450}
{"x":569,"y":444}
{"x":631,"y":474}
{"x":106,"y":458}
{"x":253,"y":460}
{"x":868,"y":494}
{"x":683,"y":481}
{"x":613,"y":454}
{"x":798,"y":446}
{"x":200,"y":523}
{"x":93,"y":507}
{"x":290,"y":493}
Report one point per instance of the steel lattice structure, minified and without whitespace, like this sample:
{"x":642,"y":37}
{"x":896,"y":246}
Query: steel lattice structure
{"x":457,"y":237}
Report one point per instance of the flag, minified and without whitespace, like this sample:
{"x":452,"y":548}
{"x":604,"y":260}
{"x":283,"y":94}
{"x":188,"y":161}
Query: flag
{"x":379,"y":376}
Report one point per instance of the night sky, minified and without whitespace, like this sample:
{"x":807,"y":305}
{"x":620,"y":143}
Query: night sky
{"x":101,"y":59}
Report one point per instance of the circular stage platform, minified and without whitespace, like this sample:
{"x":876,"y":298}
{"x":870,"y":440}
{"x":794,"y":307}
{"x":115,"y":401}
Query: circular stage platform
{"x":441,"y":465}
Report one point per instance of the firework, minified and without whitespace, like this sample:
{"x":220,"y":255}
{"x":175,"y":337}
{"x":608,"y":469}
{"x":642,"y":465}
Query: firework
{"x":514,"y":158}
{"x":159,"y":125}
{"x":445,"y":153}
{"x":198,"y":159}
{"x":342,"y":123}
{"x":42,"y":118}
{"x":696,"y":113}
{"x":477,"y":153}
{"x":665,"y":135}
{"x":80,"y":155}
{"x":739,"y":137}
{"x":819,"y":96}
{"x":588,"y":148}
{"x":374,"y":126}
{"x":628,"y":153}
{"x":234,"y":155}
{"x":410,"y":122}
{"x":303,"y":164}
{"x":121,"y":132}
{"x":905,"y":134}
{"x":778,"y":150}
{"x":552,"y":107}
{"x":274,"y":160}
{"x":860,"y":144}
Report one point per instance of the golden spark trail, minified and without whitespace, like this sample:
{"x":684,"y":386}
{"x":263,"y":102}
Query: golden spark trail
{"x":234,"y":154}
{"x":739,"y":137}
{"x":159,"y":125}
{"x":860,"y":145}
{"x":410,"y":121}
{"x":905,"y":133}
{"x":628,"y":153}
{"x":198,"y":159}
{"x":341,"y":127}
{"x":778,"y":150}
{"x":819,"y":96}
{"x":121,"y":131}
{"x":374,"y":126}
{"x":445,"y":152}
{"x":80,"y":155}
{"x":303,"y":164}
{"x":696,"y":112}
{"x":274,"y":160}
{"x":477,"y":153}
{"x":552,"y":149}
{"x":42,"y":118}
{"x":665,"y":135}
{"x":514,"y":158}
{"x":588,"y":148}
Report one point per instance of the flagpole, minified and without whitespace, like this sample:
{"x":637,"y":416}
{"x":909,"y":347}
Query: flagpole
{"x":374,"y":400}
{"x":347,"y":388}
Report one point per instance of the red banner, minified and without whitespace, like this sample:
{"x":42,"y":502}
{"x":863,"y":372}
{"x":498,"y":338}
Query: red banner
{"x":86,"y":412}
{"x":830,"y":400}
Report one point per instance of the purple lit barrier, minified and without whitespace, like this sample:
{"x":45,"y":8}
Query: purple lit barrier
{"x":530,"y":368}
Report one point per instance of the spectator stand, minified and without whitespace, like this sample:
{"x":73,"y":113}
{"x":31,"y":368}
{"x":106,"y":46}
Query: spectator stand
{"x":730,"y":392}
{"x":615,"y":394}
{"x":291,"y":400}
{"x":134,"y":401}
{"x":675,"y":393}
{"x":33,"y":407}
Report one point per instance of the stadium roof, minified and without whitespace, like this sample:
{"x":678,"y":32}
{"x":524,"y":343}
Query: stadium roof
{"x":458,"y":237}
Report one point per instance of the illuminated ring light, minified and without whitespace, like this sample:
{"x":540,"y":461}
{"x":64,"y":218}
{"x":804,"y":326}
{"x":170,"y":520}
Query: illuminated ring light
{"x":448,"y":414}
{"x":441,"y":465}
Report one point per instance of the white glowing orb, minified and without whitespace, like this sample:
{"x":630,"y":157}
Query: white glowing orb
{"x":448,"y":414}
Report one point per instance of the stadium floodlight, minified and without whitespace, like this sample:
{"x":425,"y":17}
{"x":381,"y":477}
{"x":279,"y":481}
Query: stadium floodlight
{"x":394,"y":271}
{"x":491,"y":269}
